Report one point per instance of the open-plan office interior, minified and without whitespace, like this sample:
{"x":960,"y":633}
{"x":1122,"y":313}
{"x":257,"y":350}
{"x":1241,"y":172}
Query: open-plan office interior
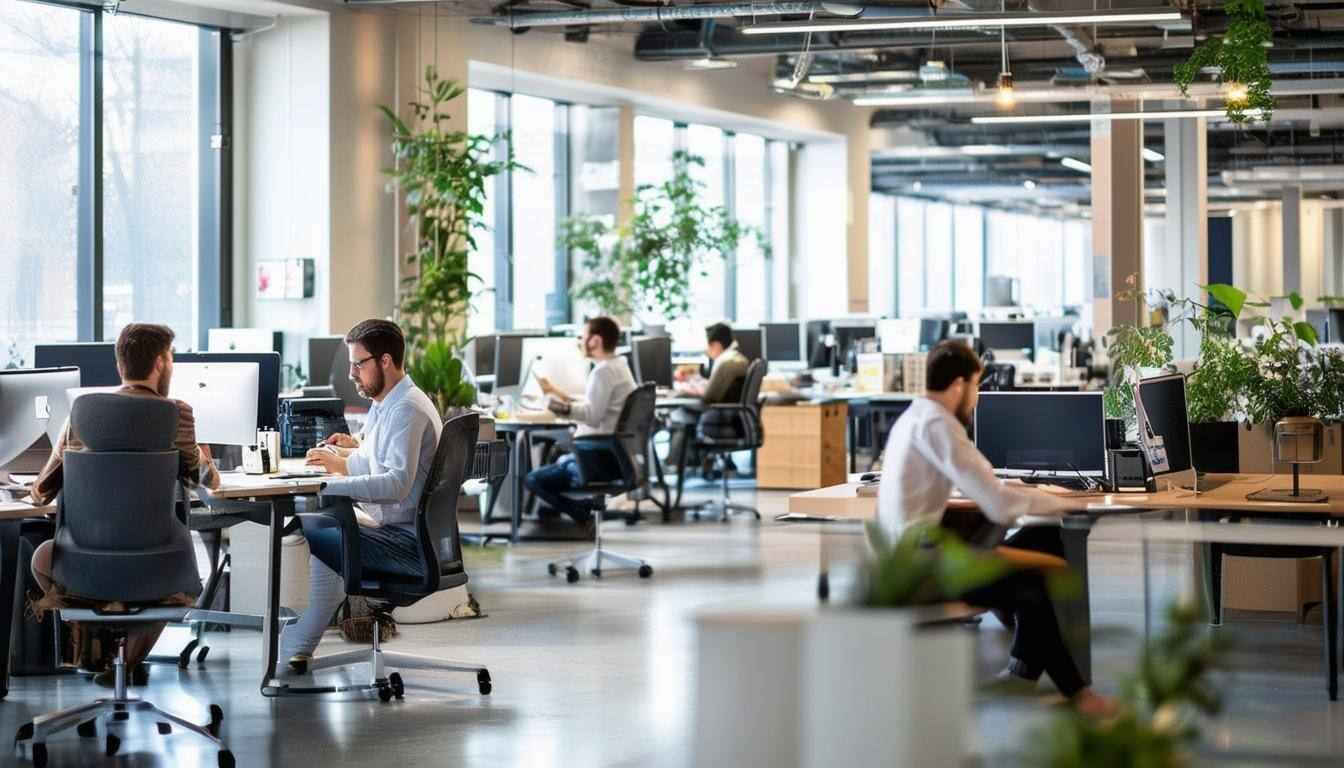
{"x":675,"y":383}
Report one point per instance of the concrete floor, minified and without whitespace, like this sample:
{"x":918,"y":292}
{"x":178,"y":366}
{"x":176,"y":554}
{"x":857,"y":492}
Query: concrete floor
{"x":602,"y":673}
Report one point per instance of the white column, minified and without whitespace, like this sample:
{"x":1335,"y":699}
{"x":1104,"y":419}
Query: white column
{"x":1117,"y":219}
{"x":1292,"y":240}
{"x":1186,"y":256}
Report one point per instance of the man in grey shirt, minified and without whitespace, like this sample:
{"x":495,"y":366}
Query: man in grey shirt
{"x":384,"y":469}
{"x":609,"y":384}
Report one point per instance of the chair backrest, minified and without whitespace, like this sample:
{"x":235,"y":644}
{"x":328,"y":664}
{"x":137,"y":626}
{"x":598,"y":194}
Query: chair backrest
{"x":635,"y":424}
{"x":751,"y":385}
{"x":436,"y":521}
{"x":998,"y":377}
{"x":118,"y":535}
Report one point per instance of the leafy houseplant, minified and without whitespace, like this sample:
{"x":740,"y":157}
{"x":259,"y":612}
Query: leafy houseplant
{"x":926,"y":564}
{"x":1242,"y":58}
{"x":442,"y":173}
{"x":1131,"y":348}
{"x":646,"y":265}
{"x":1161,"y":704}
{"x":441,"y":374}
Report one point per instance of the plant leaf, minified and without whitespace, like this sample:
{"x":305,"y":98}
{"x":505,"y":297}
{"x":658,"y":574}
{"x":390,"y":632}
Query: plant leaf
{"x":1229,"y":296}
{"x":1305,"y":332}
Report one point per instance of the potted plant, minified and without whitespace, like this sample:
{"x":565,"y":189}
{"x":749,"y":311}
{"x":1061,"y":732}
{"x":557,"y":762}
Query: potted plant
{"x":442,"y":174}
{"x":1240,"y":57}
{"x":1135,"y":352}
{"x":1161,"y":705}
{"x":646,"y":264}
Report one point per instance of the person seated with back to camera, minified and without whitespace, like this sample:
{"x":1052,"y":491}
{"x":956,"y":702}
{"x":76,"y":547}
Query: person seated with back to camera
{"x":609,"y":384}
{"x":384,"y":469}
{"x":928,"y":454}
{"x":144,"y":354}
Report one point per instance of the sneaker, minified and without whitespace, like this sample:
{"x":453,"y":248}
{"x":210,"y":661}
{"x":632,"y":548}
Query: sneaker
{"x":298,"y":663}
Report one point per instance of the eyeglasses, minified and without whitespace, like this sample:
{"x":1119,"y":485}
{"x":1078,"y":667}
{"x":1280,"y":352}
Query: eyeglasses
{"x":354,"y":366}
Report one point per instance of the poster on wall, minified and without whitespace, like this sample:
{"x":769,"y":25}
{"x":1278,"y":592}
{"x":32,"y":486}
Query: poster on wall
{"x":285,"y":279}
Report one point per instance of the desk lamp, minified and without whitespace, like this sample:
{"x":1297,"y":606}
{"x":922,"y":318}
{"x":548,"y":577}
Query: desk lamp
{"x":1298,"y":440}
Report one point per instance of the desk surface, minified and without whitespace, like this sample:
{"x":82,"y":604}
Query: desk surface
{"x":236,"y":485}
{"x":17,"y":510}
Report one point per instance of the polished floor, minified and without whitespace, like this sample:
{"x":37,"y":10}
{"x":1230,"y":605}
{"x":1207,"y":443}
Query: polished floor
{"x":601,"y":673}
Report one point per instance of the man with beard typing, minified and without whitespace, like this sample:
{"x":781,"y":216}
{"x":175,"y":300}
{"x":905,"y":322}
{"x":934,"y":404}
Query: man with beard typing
{"x":384,"y":469}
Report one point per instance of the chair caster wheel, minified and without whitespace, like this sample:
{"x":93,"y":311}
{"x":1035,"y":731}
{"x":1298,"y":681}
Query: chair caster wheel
{"x":225,"y":759}
{"x":483,"y":682}
{"x":398,"y":686}
{"x":571,"y":574}
{"x":164,"y":728}
{"x":645,"y":571}
{"x":184,"y":658}
{"x":25,"y":732}
{"x":597,"y":572}
{"x":552,"y":569}
{"x":87,"y":729}
{"x":384,"y":693}
{"x":201,"y":654}
{"x":111,"y":745}
{"x":216,"y":719}
{"x":121,"y":717}
{"x":39,"y":755}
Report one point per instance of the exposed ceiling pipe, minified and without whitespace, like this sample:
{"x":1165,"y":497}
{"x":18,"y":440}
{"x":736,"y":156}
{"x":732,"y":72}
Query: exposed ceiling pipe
{"x":926,"y":97}
{"x":663,"y":14}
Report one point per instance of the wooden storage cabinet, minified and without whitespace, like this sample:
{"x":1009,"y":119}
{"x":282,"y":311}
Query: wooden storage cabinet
{"x":804,"y":446}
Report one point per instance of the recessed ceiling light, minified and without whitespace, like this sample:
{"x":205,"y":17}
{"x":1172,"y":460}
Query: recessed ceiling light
{"x":1152,"y":155}
{"x":1075,"y":164}
{"x":1029,"y":184}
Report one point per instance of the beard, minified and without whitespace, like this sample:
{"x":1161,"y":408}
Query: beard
{"x":164,"y":383}
{"x":372,"y":390}
{"x":965,"y":412}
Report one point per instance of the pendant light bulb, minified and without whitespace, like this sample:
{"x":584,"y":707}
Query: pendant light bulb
{"x":1005,"y":98}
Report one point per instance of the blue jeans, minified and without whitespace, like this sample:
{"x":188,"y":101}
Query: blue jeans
{"x":549,"y":482}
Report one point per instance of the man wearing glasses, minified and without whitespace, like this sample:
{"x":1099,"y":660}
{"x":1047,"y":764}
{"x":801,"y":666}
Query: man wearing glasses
{"x":384,"y":470}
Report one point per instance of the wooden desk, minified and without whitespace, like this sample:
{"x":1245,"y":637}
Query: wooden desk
{"x":1232,"y":497}
{"x":20,"y":510}
{"x":804,"y":445}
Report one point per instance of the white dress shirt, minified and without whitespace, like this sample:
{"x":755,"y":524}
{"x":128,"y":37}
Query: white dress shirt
{"x":609,"y":384}
{"x":928,"y":454}
{"x":388,"y":470}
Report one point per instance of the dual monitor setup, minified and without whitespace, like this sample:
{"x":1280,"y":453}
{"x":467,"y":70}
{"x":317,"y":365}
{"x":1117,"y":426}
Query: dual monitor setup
{"x":1062,"y":436}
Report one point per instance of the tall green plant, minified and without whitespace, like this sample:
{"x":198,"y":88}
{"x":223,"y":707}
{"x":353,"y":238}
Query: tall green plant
{"x":1130,"y":348}
{"x":442,"y":172}
{"x":647,"y":264}
{"x":1241,"y":57}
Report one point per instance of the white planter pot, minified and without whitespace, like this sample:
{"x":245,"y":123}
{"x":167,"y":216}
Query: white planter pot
{"x":880,"y":691}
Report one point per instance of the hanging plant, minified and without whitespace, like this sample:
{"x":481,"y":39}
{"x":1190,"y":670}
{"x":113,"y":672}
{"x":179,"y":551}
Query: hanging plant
{"x":1241,"y":57}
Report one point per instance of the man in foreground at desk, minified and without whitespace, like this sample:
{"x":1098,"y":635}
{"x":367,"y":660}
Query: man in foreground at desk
{"x":927,"y":455}
{"x":609,"y":384}
{"x":145,"y":363}
{"x":384,"y":469}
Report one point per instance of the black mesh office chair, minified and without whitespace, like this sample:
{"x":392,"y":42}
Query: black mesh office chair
{"x":729,"y":427}
{"x":998,"y":377}
{"x":611,"y":465}
{"x":440,"y":553}
{"x":119,"y":538}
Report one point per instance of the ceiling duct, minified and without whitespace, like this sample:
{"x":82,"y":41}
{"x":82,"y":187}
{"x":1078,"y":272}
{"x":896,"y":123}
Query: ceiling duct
{"x":667,"y":13}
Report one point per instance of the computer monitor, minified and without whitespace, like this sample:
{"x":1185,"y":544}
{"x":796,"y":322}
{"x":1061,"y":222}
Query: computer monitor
{"x":244,"y":340}
{"x":1160,"y":402}
{"x":1329,"y":324}
{"x":1042,"y":433}
{"x":783,"y":342}
{"x":846,"y":336}
{"x":560,"y":359}
{"x":268,"y":379}
{"x":1009,"y":336}
{"x":223,"y":398}
{"x":508,"y":361}
{"x":749,"y":343}
{"x":931,"y":331}
{"x":653,"y":360}
{"x":1001,"y":291}
{"x":482,"y":354}
{"x":96,"y":361}
{"x":816,"y":332}
{"x":33,"y":403}
{"x":900,"y":335}
{"x":322,"y":352}
{"x":653,"y":330}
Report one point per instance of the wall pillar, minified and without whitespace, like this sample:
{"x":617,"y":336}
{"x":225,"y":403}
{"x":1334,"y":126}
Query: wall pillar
{"x":1186,"y":263}
{"x":1292,"y":240}
{"x":1117,"y":220}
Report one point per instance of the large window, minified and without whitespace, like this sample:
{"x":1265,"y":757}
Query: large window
{"x":534,"y":214}
{"x":481,"y":261}
{"x":110,"y":176}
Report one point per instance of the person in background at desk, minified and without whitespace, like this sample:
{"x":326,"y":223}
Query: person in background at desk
{"x":385,"y":469}
{"x":144,"y":355}
{"x":727,"y":372}
{"x":928,"y":454}
{"x":609,"y":384}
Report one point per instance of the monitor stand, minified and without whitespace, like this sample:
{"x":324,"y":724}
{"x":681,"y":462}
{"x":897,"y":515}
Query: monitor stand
{"x":1295,"y":495}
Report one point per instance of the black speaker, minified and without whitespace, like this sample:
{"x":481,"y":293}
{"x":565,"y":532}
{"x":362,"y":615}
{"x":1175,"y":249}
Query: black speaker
{"x":1127,"y":471}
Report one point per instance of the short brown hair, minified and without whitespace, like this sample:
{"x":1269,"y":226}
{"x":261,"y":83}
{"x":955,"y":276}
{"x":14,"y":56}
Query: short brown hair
{"x":138,"y":346}
{"x":380,"y":337}
{"x":607,"y":330}
{"x":721,"y":333}
{"x":948,"y":361}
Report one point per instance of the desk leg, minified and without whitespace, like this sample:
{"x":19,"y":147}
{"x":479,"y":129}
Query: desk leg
{"x":1075,"y":616}
{"x":852,"y":440}
{"x":520,"y":451}
{"x":10,"y":600}
{"x":281,"y":508}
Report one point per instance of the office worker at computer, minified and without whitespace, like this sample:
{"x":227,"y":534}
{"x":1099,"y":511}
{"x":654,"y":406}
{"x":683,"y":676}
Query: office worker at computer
{"x":928,"y":454}
{"x":144,"y":354}
{"x":384,"y":470}
{"x":728,"y":371}
{"x":609,"y":383}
